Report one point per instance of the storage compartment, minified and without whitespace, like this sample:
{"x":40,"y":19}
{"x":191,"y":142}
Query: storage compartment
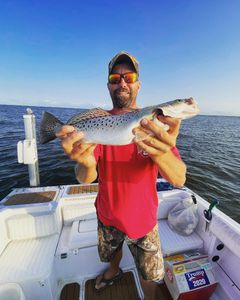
{"x":83,"y":234}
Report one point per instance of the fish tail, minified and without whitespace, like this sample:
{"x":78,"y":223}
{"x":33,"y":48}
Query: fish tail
{"x":49,"y":125}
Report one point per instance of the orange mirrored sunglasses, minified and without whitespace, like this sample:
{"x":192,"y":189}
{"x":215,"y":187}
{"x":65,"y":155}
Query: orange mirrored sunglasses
{"x":129,"y":77}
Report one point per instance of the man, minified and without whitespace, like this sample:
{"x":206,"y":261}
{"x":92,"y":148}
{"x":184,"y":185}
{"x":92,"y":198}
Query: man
{"x":127,"y":200}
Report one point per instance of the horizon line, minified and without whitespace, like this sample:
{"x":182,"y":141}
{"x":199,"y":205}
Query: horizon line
{"x":72,"y":107}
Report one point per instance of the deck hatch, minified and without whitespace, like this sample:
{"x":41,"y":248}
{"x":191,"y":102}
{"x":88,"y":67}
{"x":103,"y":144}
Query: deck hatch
{"x":82,"y":189}
{"x":30,"y":198}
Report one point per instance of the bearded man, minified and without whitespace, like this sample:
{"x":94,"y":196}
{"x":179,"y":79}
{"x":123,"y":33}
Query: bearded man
{"x":127,"y":200}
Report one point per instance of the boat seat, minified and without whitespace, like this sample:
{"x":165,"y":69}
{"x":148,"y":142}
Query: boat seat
{"x":28,"y":259}
{"x":84,"y":234}
{"x":31,"y":243}
{"x":172,"y":242}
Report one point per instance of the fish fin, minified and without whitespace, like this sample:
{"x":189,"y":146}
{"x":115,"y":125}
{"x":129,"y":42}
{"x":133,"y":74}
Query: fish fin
{"x":49,"y":125}
{"x":86,"y":115}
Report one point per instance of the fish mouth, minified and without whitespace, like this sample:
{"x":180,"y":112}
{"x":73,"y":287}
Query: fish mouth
{"x":189,"y":101}
{"x":158,"y":112}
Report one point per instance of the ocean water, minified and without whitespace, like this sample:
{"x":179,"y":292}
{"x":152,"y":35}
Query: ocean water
{"x":209,"y":145}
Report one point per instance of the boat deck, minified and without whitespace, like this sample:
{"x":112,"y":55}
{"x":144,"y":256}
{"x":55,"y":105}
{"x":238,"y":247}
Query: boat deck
{"x":124,"y":289}
{"x":62,"y":228}
{"x":70,"y":291}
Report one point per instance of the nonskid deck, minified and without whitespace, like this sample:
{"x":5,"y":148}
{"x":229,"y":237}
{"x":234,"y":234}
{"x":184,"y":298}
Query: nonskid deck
{"x":124,"y":289}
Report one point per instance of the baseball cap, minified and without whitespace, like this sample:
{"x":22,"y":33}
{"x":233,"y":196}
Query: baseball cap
{"x":123,"y":57}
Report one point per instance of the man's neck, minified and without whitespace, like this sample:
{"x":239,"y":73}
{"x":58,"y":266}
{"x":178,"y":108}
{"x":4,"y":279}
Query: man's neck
{"x":123,"y":110}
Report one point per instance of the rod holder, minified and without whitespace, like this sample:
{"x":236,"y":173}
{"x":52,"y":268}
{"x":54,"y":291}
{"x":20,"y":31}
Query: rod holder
{"x":27,"y":149}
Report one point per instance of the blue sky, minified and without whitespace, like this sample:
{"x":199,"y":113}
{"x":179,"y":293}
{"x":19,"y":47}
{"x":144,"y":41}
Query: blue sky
{"x":55,"y":53}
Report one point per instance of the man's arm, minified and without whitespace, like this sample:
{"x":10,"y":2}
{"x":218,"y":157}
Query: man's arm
{"x":159,"y":148}
{"x":85,"y":174}
{"x":85,"y":170}
{"x":172,"y":169}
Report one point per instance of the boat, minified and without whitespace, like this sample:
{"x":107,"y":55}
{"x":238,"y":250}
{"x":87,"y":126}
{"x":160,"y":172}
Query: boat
{"x":48,"y":248}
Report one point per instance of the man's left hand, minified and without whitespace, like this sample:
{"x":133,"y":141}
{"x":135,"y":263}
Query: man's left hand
{"x":159,"y":141}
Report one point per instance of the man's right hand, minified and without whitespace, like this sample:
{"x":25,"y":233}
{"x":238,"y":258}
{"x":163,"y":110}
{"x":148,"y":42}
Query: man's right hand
{"x":72,"y":146}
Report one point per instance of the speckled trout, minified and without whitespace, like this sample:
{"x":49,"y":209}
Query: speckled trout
{"x":100,"y":127}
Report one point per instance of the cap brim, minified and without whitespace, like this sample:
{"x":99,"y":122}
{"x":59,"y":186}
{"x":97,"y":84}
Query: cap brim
{"x":123,"y":58}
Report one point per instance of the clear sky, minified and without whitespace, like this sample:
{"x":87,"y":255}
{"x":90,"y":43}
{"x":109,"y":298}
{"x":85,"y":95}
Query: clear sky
{"x":55,"y":53}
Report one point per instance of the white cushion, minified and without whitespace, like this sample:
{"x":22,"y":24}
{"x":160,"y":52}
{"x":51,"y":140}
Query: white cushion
{"x":30,"y":259}
{"x":27,"y":226}
{"x":172,"y":242}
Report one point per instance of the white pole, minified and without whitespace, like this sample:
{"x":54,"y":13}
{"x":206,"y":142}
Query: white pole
{"x":30,"y":133}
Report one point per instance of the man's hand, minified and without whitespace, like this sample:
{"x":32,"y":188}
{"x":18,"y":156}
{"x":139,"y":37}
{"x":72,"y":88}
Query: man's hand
{"x":158,"y":141}
{"x":80,"y":152}
{"x":158,"y":144}
{"x":72,"y":146}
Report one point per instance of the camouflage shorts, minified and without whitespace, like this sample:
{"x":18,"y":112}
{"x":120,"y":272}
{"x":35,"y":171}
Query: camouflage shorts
{"x":146,"y":250}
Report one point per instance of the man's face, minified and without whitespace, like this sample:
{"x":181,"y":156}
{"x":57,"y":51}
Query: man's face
{"x":123,"y":94}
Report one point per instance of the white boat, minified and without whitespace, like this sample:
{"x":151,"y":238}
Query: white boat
{"x":48,"y":246}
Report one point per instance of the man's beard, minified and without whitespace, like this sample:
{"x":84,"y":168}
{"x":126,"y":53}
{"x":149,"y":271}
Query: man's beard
{"x":122,"y":98}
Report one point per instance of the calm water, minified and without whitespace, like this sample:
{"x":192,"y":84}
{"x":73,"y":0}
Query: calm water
{"x":209,"y":145}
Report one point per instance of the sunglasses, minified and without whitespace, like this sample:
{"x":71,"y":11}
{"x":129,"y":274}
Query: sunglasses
{"x":129,"y":77}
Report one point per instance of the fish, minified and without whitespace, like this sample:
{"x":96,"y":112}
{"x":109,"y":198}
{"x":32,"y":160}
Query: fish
{"x":101,"y":127}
